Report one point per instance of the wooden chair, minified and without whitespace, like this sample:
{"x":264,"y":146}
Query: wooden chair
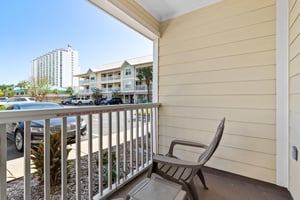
{"x":181,"y":171}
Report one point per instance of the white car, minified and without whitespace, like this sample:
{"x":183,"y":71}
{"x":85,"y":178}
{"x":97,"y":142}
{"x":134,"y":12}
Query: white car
{"x":21,"y":99}
{"x":6,"y":102}
{"x":3,"y":100}
{"x":82,"y":100}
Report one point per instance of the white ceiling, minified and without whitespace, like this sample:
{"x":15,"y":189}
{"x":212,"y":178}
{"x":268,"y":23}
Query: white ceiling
{"x":167,"y":9}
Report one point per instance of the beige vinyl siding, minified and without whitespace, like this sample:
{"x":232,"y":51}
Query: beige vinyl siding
{"x":294,"y":84}
{"x":220,"y":61}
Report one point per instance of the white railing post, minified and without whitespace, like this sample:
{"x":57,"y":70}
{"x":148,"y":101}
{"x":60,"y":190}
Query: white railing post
{"x":125,"y":146}
{"x":142,"y":137}
{"x":155,"y":133}
{"x":90,"y":159}
{"x":118,"y":146}
{"x":100,"y":153}
{"x":109,"y":153}
{"x":46,"y":159}
{"x":151,"y":132}
{"x":78,"y":158}
{"x":64,"y":159}
{"x":131,"y":142}
{"x":3,"y":157}
{"x":147,"y":138}
{"x":137,"y":141}
{"x":27,"y":148}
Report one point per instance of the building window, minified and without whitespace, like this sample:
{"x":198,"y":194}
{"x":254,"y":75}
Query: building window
{"x":127,"y":71}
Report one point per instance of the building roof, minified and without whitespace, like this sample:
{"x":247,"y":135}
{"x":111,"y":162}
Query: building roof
{"x":116,"y":65}
{"x":140,"y":60}
{"x":110,"y":66}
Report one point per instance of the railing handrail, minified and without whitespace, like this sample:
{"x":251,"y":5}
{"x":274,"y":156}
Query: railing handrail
{"x":7,"y":116}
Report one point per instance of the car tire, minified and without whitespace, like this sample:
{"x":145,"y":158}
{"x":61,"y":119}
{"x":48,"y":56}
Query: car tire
{"x":19,"y":141}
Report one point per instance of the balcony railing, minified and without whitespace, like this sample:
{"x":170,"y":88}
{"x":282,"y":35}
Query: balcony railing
{"x":142,"y":87}
{"x":111,"y":89}
{"x":110,"y":78}
{"x":86,"y":82}
{"x":85,"y":92}
{"x":127,"y":133}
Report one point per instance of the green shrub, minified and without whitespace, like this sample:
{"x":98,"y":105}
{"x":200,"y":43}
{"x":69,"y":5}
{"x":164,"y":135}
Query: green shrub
{"x":114,"y":167}
{"x":37,"y":157}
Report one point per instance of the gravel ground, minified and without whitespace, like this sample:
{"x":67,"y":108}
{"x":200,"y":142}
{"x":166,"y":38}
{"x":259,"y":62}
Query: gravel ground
{"x":15,"y":188}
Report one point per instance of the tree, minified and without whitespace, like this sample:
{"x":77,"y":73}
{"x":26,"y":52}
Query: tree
{"x":39,"y":88}
{"x":7,"y":90}
{"x":23,"y":84}
{"x":146,"y":75}
{"x":70,"y":91}
{"x":116,"y":94}
{"x":55,"y":91}
{"x":96,"y":93}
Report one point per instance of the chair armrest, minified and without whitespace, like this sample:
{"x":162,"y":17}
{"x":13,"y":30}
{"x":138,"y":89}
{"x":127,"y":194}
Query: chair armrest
{"x":174,"y":162}
{"x":185,"y":143}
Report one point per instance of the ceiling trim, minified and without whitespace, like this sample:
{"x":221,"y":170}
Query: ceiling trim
{"x":163,"y":10}
{"x":124,"y":17}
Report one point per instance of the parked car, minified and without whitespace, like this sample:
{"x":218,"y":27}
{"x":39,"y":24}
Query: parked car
{"x":98,"y":101}
{"x":3,"y":100}
{"x":15,"y":130}
{"x":82,"y":100}
{"x":21,"y":99}
{"x":67,"y":101}
{"x":111,"y":101}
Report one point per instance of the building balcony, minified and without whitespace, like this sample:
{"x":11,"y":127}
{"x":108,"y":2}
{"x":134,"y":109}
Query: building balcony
{"x":85,"y":92}
{"x":142,"y":87}
{"x":86,"y":82}
{"x":111,"y":89}
{"x":111,"y":79}
{"x":127,"y":141}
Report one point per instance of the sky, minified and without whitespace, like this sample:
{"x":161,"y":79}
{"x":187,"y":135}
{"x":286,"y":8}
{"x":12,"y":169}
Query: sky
{"x":32,"y":28}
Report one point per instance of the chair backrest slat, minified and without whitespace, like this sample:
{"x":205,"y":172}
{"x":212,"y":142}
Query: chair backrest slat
{"x":205,"y":156}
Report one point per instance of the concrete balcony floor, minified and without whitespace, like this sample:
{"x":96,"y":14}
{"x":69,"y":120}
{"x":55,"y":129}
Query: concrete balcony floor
{"x":225,"y":186}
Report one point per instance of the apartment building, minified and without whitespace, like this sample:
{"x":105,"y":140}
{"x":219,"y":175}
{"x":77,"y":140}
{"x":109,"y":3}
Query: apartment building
{"x":58,"y":67}
{"x":119,"y":77}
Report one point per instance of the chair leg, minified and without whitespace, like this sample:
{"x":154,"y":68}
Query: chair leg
{"x":200,"y":175}
{"x":187,"y":188}
{"x":152,"y":169}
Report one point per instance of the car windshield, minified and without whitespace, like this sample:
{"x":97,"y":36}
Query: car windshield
{"x":3,"y":99}
{"x":38,"y":106}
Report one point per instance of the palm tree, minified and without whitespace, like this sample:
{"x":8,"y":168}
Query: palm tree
{"x":70,"y":91}
{"x":39,"y":88}
{"x":146,"y":75}
{"x":23,"y":84}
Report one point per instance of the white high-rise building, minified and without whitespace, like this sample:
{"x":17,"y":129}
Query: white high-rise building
{"x":58,"y":67}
